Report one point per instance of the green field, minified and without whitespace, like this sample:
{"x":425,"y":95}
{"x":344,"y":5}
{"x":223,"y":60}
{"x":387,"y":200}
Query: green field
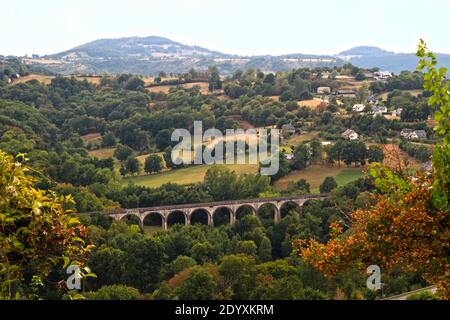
{"x":315,"y":175}
{"x":299,"y":138}
{"x":185,"y":176}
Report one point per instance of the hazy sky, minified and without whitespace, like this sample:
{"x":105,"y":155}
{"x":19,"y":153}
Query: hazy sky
{"x":231,"y":26}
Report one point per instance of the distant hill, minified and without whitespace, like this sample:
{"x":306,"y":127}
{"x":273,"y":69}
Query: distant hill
{"x":370,"y":57}
{"x":149,"y":55}
{"x":136,"y":48}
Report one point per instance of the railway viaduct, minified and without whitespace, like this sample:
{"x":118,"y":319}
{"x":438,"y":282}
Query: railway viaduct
{"x":210,"y":209}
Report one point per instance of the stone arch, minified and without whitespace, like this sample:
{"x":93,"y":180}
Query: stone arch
{"x":131,"y":218}
{"x":177,"y":217}
{"x":153,"y":219}
{"x":268,"y":212}
{"x":219,"y":216}
{"x":200,"y":216}
{"x":289,"y":206}
{"x":245,"y":209}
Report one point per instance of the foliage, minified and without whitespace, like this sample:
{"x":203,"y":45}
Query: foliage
{"x":114,"y":292}
{"x":37,"y":234}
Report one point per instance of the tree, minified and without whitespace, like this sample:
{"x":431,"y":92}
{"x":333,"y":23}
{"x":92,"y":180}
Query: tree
{"x":327,"y":185}
{"x":265,"y":250}
{"x":114,"y":292}
{"x":199,"y":285}
{"x":122,"y":152}
{"x":301,"y":157}
{"x":214,"y":78}
{"x":109,"y":140}
{"x":335,"y":153}
{"x":130,"y":166}
{"x":153,"y":163}
{"x":37,"y":233}
{"x":303,"y":186}
{"x":375,"y":154}
{"x":143,"y":261}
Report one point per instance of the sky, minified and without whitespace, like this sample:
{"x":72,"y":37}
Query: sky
{"x":247,"y":27}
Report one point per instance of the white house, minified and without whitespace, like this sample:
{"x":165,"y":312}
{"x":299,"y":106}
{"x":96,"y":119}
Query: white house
{"x":349,"y":134}
{"x":397,"y":112}
{"x":382,"y":75}
{"x":405,"y":132}
{"x":359,"y":107}
{"x":288,"y":129}
{"x":289,"y":156}
{"x":379,"y":109}
{"x":323,"y":90}
{"x":417,"y":134}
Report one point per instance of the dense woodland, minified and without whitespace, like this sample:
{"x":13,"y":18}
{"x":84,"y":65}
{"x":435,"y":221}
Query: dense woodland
{"x":253,"y":259}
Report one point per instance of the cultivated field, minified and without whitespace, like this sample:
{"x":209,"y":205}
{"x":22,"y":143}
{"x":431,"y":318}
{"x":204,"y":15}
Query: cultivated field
{"x":414,"y":93}
{"x":185,"y":176}
{"x":102,"y":153}
{"x":299,"y":138}
{"x":165,"y":88}
{"x":313,"y":103}
{"x":315,"y":174}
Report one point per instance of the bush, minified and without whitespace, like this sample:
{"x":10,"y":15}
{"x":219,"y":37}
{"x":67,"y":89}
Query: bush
{"x":114,"y":292}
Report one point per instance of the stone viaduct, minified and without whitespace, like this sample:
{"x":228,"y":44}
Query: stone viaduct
{"x":210,"y":209}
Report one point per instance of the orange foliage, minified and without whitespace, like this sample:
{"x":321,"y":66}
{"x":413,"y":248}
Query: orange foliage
{"x":401,"y":230}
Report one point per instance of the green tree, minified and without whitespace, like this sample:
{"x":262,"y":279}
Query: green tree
{"x":122,"y":152}
{"x":303,"y":186}
{"x":114,"y":292}
{"x":143,"y":261}
{"x":327,"y":185}
{"x":153,"y":163}
{"x":375,"y":154}
{"x":265,"y":250}
{"x":132,"y":165}
{"x":301,"y":157}
{"x":199,"y":285}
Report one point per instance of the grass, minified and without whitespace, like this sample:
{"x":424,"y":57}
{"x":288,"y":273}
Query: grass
{"x":414,"y":93}
{"x":315,"y":174}
{"x":313,"y":103}
{"x":185,"y":176}
{"x":102,"y":153}
{"x":204,"y":87}
{"x":297,"y":138}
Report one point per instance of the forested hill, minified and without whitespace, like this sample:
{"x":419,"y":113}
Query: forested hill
{"x":150,"y":55}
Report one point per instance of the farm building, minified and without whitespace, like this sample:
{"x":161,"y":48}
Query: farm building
{"x":359,"y":107}
{"x":349,"y":134}
{"x":323,"y":90}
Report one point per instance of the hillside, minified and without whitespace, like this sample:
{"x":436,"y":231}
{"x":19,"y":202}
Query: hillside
{"x":150,"y":55}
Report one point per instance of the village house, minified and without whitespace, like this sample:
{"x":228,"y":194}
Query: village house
{"x":288,"y":129}
{"x":379,"y":109}
{"x":417,"y":134}
{"x":373,"y":99}
{"x":405,"y":132}
{"x":345,"y":93}
{"x":288,"y":155}
{"x":397,"y":112}
{"x":323,"y":90}
{"x":382,"y":75}
{"x":359,"y":107}
{"x":349,"y":134}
